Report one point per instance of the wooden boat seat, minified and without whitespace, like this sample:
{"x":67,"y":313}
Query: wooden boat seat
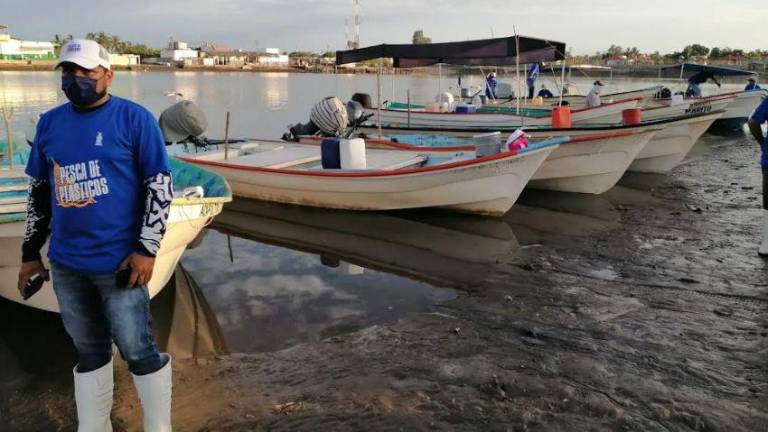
{"x":393,"y":160}
{"x":279,"y":157}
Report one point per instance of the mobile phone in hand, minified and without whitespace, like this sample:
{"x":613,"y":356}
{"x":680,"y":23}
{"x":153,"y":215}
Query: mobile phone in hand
{"x":122,"y":277}
{"x":32,"y":286}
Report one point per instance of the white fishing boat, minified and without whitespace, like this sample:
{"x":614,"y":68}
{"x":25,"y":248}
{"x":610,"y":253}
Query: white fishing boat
{"x":738,"y":111}
{"x":592,"y":161}
{"x":646,"y":96}
{"x":502,"y":117}
{"x":670,"y":146}
{"x":187,"y":217}
{"x":293,"y":174}
{"x":664,"y":108}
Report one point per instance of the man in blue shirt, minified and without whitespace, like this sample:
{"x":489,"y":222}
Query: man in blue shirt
{"x":530,"y":78}
{"x":759,"y":117}
{"x":751,"y":85}
{"x":490,"y":85}
{"x":100,"y":184}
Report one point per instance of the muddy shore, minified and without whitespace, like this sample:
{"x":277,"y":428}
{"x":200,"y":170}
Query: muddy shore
{"x":641,"y":310}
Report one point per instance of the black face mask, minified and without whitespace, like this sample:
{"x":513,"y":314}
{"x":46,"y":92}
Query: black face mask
{"x":81,"y":90}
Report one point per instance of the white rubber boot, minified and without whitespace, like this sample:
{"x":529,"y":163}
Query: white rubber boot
{"x":155,"y":393}
{"x":763,"y":251}
{"x":93,"y":396}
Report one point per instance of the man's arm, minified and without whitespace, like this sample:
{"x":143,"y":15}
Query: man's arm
{"x":36,"y":230}
{"x":159,"y":194}
{"x":757,"y":131}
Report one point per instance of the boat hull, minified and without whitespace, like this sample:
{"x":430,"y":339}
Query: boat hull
{"x":185,"y":222}
{"x":488,"y":186}
{"x":738,"y":111}
{"x":604,"y":114}
{"x":590,"y":166}
{"x":670,"y":146}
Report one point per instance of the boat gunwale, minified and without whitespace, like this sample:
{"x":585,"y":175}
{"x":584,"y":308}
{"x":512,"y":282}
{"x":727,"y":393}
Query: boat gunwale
{"x":597,"y":127}
{"x":511,"y":114}
{"x":385,"y":173}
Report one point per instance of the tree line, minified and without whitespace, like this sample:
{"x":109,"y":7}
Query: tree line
{"x":112,"y":43}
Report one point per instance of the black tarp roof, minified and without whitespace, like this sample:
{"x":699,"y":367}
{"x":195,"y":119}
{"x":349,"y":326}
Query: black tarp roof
{"x":716,"y":70}
{"x":492,"y":52}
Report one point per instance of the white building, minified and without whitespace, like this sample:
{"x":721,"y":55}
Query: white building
{"x":178,"y":52}
{"x":271,"y":56}
{"x":124,"y":59}
{"x":14,"y":49}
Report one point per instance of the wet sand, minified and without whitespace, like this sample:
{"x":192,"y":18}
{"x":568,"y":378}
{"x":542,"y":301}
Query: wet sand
{"x":640,"y":310}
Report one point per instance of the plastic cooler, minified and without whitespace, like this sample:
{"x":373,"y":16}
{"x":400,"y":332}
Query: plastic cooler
{"x":487,"y":144}
{"x":466,"y":109}
{"x":632,"y":116}
{"x":329,"y":153}
{"x":561,"y":117}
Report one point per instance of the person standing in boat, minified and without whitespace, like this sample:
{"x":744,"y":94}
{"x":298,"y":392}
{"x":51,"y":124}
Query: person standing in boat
{"x":756,"y":121}
{"x":752,"y":84}
{"x":100,"y":184}
{"x":593,"y":97}
{"x":490,"y":85}
{"x":531,"y":77}
{"x":696,"y":80}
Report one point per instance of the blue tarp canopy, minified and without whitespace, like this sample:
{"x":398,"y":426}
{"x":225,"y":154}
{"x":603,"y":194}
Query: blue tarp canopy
{"x":714,"y":70}
{"x":492,"y":52}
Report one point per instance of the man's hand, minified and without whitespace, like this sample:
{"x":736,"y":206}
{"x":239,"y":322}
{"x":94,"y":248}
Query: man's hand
{"x":29,"y":269}
{"x":141,"y":267}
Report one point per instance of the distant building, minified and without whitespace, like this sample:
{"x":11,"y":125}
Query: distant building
{"x":14,"y":49}
{"x":124,"y":59}
{"x":270,"y":56}
{"x":178,"y":52}
{"x":223,"y":55}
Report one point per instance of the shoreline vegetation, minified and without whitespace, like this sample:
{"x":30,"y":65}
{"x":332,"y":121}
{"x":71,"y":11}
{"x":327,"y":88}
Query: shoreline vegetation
{"x":629,"y":71}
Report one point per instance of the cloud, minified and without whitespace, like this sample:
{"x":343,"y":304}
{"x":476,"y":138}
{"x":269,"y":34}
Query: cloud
{"x":318,"y":25}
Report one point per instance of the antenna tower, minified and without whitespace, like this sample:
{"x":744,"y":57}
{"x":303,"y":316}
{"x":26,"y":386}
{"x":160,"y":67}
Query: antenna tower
{"x":353,"y":27}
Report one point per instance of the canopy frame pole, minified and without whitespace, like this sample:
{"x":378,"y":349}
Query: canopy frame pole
{"x":439,"y":78}
{"x":393,"y":84}
{"x":517,"y":70}
{"x":562,"y":77}
{"x":408,"y":101}
{"x":378,"y":96}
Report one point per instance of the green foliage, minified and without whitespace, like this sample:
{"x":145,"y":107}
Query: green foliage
{"x":115,"y":45}
{"x":419,"y":38}
{"x":694,"y":50}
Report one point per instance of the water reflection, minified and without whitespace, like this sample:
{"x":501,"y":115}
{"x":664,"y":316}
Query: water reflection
{"x":278,"y":275}
{"x":276,"y":90}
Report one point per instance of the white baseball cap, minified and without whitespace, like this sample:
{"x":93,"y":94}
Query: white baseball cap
{"x":84,"y":53}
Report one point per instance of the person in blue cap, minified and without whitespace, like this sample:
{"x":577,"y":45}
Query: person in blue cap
{"x":100,"y":185}
{"x":752,"y":84}
{"x":530,"y":78}
{"x":755,"y":123}
{"x":490,"y":85}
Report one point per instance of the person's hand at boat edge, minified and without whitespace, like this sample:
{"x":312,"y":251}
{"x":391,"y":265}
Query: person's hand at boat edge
{"x":141,"y":269}
{"x":29,"y":269}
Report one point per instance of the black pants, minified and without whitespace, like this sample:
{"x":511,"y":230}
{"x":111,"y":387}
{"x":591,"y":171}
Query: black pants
{"x":765,"y":188}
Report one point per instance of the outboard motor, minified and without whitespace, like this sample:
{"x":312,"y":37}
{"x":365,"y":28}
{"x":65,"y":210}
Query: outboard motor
{"x":664,"y":93}
{"x":329,"y":117}
{"x":355,"y":111}
{"x":183,"y":121}
{"x":363,"y":99}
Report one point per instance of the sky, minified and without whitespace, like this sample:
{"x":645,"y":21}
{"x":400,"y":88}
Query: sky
{"x":586,"y":26}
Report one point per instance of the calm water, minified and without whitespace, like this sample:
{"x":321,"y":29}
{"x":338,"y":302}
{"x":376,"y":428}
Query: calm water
{"x":271,"y":276}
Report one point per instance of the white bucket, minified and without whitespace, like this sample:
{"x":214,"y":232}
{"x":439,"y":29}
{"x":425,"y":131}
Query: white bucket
{"x":352,"y":153}
{"x":677,"y":99}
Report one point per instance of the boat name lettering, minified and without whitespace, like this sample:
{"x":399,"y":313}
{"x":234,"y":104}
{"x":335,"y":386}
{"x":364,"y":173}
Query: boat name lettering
{"x":699,"y":108}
